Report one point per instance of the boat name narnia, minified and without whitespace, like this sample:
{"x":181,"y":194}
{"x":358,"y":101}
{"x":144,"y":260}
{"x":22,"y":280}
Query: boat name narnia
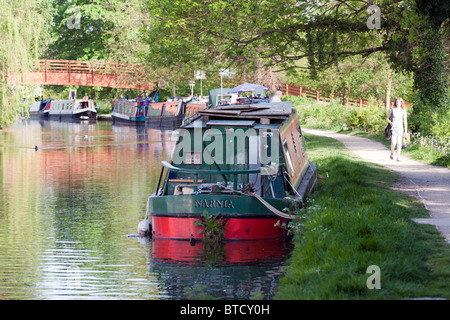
{"x":227,"y":204}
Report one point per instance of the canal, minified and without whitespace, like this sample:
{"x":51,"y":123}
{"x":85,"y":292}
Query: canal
{"x":71,"y":197}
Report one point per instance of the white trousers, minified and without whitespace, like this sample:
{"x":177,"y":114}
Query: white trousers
{"x":396,"y":140}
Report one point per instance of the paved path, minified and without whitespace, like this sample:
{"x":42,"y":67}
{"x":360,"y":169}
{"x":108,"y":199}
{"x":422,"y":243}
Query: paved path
{"x":429,"y":184}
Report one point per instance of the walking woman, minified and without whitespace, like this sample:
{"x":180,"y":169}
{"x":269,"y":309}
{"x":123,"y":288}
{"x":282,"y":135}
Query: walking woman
{"x":399,"y":125}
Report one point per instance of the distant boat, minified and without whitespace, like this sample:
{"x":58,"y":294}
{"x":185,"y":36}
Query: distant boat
{"x":129,"y":112}
{"x":73,"y":109}
{"x":40,"y":109}
{"x":148,"y":111}
{"x":166,"y":115}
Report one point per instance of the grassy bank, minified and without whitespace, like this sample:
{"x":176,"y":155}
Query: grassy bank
{"x":369,"y":122}
{"x":355,"y":221}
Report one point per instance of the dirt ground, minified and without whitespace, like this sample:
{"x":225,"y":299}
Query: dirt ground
{"x":429,"y":184}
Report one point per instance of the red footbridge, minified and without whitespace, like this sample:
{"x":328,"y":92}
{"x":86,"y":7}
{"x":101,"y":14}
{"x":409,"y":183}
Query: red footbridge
{"x":86,"y":73}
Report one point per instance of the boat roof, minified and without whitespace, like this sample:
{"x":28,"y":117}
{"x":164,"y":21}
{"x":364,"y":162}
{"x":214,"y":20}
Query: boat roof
{"x":260,"y":115}
{"x":246,"y":87}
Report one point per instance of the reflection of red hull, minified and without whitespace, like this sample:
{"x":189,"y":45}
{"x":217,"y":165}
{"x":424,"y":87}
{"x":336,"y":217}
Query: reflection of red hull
{"x":234,"y":251}
{"x":235,"y":228}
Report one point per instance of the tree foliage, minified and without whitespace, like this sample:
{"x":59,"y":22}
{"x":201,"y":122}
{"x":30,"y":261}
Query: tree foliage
{"x":22,"y":31}
{"x":93,"y":30}
{"x":324,"y":33}
{"x":79,"y":28}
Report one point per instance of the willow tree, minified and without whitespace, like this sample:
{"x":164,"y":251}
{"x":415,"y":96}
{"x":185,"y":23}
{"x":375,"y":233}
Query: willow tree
{"x":22,"y":29}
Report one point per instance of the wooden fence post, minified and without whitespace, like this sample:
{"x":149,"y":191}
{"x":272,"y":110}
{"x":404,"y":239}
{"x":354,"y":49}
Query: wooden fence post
{"x":45,"y":71}
{"x":301,"y":91}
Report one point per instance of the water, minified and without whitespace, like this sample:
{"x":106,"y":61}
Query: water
{"x":68,"y":211}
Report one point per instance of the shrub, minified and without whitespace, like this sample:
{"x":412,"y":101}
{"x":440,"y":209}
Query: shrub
{"x":336,"y":116}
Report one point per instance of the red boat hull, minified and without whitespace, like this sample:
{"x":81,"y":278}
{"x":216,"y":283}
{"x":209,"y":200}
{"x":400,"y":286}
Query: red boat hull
{"x":183,"y":228}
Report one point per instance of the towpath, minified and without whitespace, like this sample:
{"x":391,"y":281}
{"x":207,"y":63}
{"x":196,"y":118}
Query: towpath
{"x":429,"y":184}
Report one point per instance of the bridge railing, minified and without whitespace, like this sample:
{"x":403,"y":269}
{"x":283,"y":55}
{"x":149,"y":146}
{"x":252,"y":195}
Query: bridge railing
{"x":301,"y":91}
{"x":99,"y":73}
{"x":74,"y":66}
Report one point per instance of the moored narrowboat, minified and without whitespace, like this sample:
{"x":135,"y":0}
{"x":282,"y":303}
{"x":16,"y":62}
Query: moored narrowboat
{"x":40,"y":109}
{"x":166,"y":115}
{"x":132,"y":112}
{"x":243,"y":164}
{"x":73,"y":109}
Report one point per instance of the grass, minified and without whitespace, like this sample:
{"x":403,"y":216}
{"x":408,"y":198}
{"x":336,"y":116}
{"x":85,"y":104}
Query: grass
{"x":355,"y":220}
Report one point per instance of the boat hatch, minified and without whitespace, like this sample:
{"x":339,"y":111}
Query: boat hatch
{"x":230,"y":123}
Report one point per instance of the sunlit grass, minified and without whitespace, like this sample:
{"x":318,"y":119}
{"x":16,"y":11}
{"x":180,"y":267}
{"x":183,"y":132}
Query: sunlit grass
{"x":355,"y":220}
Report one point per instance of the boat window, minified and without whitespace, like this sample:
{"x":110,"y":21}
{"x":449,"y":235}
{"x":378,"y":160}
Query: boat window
{"x":293,"y":142}
{"x":244,"y":156}
{"x":288,"y":158}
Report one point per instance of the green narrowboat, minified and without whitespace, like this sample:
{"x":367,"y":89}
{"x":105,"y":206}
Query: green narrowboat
{"x":242,"y":164}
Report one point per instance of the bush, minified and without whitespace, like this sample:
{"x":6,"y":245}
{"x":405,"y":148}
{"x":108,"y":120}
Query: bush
{"x":334,"y":115}
{"x":104,"y":107}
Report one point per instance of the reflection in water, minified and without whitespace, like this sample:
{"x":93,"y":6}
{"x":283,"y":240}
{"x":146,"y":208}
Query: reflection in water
{"x":242,"y":270}
{"x":66,"y":208}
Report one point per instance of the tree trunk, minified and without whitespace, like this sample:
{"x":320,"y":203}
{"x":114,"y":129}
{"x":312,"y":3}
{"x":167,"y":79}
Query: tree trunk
{"x":431,"y":78}
{"x":174,"y":94}
{"x":388,"y":91}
